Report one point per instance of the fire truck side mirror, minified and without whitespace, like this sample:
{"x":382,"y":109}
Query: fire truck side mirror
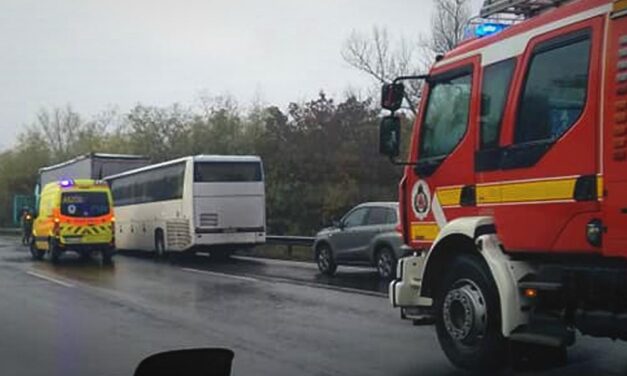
{"x":390,"y":136}
{"x":392,"y":96}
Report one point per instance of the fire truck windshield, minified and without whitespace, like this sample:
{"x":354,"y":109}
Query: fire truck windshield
{"x":446,"y":117}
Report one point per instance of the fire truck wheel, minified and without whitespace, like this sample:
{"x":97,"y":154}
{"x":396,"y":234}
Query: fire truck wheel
{"x":35,"y":253}
{"x":325,"y":261}
{"x":468,"y":318}
{"x":55,"y":251}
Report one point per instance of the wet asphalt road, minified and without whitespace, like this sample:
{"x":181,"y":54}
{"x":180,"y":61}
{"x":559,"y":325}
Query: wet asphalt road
{"x":280,"y":318}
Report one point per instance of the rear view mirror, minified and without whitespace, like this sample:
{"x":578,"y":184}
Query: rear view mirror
{"x":191,"y":362}
{"x":392,"y":96}
{"x":390,"y":136}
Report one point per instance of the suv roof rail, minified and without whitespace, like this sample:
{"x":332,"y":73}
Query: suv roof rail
{"x":517,"y":8}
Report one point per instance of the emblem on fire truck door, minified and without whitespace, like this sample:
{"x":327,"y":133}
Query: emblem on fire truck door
{"x":421,"y":199}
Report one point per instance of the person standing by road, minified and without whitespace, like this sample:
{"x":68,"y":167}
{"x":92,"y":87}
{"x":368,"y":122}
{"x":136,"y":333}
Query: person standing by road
{"x":27,"y":225}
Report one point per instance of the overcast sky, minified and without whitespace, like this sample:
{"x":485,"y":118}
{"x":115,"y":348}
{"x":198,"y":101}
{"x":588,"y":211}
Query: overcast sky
{"x":97,"y":54}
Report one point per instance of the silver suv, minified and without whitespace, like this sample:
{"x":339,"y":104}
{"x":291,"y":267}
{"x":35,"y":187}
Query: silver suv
{"x":366,"y":234}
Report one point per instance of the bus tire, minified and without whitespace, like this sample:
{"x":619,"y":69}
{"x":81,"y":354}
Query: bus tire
{"x":36,"y":254}
{"x":160,"y":251}
{"x":55,"y":251}
{"x":468,"y":317}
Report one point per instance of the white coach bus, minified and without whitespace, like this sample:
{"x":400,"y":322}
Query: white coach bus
{"x":212,"y":203}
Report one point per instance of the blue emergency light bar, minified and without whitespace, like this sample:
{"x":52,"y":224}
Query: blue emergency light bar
{"x":489,"y":28}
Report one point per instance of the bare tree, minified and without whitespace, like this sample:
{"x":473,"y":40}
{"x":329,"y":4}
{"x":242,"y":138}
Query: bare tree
{"x":448,"y":25}
{"x":383,"y":61}
{"x":374,"y":55}
{"x":60,"y":128}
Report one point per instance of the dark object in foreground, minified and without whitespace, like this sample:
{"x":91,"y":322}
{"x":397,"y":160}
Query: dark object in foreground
{"x":190,"y":362}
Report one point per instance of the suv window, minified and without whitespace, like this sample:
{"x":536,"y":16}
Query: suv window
{"x":355,"y":218}
{"x":554,"y":94}
{"x":377,"y":216}
{"x":446,"y":117}
{"x":391,"y":216}
{"x":494,"y":89}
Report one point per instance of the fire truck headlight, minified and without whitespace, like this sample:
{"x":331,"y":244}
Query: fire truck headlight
{"x":594,"y":232}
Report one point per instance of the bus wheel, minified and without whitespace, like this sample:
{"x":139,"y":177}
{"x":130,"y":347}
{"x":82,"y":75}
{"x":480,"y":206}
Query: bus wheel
{"x":35,"y":253}
{"x":55,"y":251}
{"x":468,"y":319}
{"x":160,"y":245}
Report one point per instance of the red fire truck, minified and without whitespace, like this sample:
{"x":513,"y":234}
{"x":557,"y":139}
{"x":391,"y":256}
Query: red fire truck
{"x":514,"y":198}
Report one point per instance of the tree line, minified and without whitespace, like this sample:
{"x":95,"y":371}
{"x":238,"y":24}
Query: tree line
{"x":320,"y":156}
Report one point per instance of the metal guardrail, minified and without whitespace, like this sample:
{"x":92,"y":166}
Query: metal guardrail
{"x":290,"y":240}
{"x":10,"y":231}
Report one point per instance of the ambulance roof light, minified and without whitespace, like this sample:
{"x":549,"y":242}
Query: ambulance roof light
{"x":66,"y":183}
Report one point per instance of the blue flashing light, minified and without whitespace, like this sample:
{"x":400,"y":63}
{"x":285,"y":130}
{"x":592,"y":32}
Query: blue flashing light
{"x":489,"y":28}
{"x":66,"y":183}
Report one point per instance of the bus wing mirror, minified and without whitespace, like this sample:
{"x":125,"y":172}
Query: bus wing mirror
{"x":392,"y":96}
{"x":390,"y":136}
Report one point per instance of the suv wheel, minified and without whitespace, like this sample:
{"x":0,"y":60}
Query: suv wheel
{"x":386,"y":263}
{"x":325,"y":261}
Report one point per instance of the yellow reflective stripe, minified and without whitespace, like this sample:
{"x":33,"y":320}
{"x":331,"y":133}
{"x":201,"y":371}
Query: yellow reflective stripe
{"x":449,"y":196}
{"x":542,"y":190}
{"x":619,"y":5}
{"x":600,"y":187}
{"x":424,"y":231}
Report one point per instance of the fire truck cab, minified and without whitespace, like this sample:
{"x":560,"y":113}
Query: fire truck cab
{"x":514,"y":199}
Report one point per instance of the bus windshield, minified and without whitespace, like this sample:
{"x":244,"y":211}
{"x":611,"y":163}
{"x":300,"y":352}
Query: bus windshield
{"x":84,"y":204}
{"x":227,"y":172}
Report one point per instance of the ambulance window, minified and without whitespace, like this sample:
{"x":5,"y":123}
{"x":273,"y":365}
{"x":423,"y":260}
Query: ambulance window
{"x":496,"y":81}
{"x":554,"y":95}
{"x":446,"y":117}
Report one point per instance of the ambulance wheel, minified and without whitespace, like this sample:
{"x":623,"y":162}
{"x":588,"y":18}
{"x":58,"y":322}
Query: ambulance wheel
{"x":107,"y":256}
{"x":468,"y":317}
{"x":324,"y":260}
{"x":160,"y":245}
{"x":55,"y":251}
{"x":35,"y":253}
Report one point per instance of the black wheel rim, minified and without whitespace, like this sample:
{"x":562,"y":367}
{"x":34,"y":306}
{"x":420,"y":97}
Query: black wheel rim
{"x":385,"y":264}
{"x":324,"y":259}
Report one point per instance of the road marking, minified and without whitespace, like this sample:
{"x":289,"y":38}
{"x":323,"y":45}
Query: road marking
{"x":50,"y":279}
{"x":217,"y":274}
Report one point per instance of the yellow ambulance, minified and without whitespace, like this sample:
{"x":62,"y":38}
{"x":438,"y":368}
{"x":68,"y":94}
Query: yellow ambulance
{"x":74,"y":215}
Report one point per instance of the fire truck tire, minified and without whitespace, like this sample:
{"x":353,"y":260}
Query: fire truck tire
{"x":324,"y":260}
{"x":35,"y":253}
{"x":55,"y":251}
{"x":468,"y":318}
